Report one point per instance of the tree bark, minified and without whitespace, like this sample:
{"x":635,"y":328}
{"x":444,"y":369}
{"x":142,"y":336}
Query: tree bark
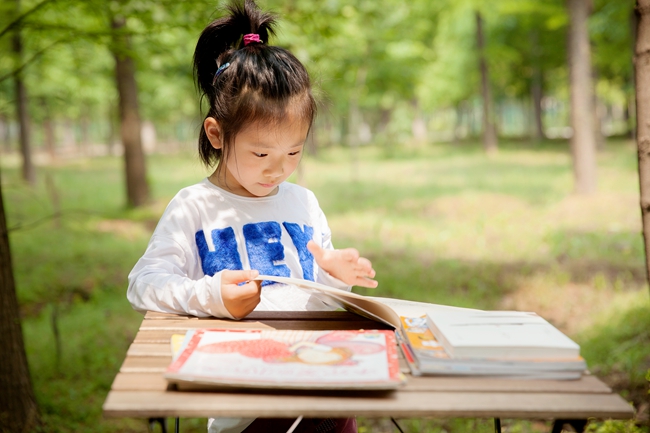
{"x":642,"y":74}
{"x":490,"y":141}
{"x":137,"y":188}
{"x":5,"y":133}
{"x":49,"y":132}
{"x":536,"y":87}
{"x":630,"y":96}
{"x":583,"y":141}
{"x":22,"y":112}
{"x":18,"y":408}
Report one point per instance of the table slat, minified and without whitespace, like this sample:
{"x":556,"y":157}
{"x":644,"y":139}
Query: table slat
{"x":150,"y":349}
{"x":586,"y":385}
{"x":397,"y":404}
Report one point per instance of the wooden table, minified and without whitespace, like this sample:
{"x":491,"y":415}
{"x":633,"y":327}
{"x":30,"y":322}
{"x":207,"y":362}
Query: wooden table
{"x":140,"y":391}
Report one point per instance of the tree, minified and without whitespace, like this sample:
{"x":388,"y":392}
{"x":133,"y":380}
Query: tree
{"x":137,"y":188}
{"x":18,"y":409}
{"x":21,"y":106}
{"x":583,"y":141}
{"x":489,"y":127}
{"x":642,"y":74}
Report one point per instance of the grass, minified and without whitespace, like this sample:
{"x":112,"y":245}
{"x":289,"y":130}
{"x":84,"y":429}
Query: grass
{"x":441,"y":223}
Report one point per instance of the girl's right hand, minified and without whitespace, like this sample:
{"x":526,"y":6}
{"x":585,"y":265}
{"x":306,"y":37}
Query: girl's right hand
{"x":240,"y":300}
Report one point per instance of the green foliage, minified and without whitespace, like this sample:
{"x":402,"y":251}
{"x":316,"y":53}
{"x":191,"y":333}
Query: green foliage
{"x":378,"y":63}
{"x":613,"y":426}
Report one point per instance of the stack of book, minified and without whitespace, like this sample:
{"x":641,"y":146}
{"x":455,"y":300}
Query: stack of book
{"x":489,"y":343}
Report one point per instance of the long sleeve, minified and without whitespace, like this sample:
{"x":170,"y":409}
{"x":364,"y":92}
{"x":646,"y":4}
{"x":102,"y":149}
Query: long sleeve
{"x":159,"y":282}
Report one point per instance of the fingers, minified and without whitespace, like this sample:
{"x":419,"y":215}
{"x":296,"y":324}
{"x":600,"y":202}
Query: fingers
{"x":366,"y":282}
{"x":364,"y":267}
{"x":349,"y":254}
{"x":239,"y":294}
{"x":236,"y":277}
{"x":315,"y":250}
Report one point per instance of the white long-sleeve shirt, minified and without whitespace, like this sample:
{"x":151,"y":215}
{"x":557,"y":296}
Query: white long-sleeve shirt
{"x":206,"y":230}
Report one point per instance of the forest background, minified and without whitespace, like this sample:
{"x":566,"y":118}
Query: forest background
{"x":444,"y":149}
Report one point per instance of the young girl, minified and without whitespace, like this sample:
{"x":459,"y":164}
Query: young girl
{"x":244,"y":219}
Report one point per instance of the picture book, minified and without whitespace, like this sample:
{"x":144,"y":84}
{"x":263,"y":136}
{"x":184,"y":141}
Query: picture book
{"x":500,"y":334}
{"x":288,"y":359}
{"x":384,"y":310}
{"x":428,"y":357}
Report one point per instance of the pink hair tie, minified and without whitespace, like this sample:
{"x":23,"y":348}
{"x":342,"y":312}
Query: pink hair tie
{"x":251,"y":37}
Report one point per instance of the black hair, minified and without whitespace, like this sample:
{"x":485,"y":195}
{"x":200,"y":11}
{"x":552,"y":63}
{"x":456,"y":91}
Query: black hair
{"x":263,"y":83}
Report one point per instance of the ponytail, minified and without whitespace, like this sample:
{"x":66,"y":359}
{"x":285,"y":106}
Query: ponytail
{"x":247,"y":81}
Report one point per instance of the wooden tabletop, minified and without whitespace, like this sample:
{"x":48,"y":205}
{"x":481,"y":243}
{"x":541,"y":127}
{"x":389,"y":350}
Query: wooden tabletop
{"x":140,"y":391}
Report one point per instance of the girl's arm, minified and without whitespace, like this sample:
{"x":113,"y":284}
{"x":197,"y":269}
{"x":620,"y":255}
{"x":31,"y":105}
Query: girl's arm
{"x":160,"y":282}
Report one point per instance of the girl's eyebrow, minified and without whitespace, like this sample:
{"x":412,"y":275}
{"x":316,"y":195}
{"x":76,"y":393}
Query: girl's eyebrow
{"x":266,"y":146}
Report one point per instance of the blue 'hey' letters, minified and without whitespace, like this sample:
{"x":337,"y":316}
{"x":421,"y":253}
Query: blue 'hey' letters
{"x":263,"y":246}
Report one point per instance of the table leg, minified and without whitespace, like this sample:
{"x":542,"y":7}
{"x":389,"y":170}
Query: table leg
{"x":497,"y":425}
{"x":177,"y":425}
{"x":161,"y":421}
{"x":577,"y":424}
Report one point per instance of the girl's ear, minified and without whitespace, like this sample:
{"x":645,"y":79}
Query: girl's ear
{"x":213,"y":131}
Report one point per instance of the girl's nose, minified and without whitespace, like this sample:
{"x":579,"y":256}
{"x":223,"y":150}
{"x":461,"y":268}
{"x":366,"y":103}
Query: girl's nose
{"x":275,"y":169}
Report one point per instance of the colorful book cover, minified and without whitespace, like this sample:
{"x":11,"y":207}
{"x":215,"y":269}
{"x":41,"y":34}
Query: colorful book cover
{"x":363,"y":359}
{"x":421,"y":338}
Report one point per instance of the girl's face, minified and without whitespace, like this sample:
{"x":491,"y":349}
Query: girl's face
{"x":263,"y":156}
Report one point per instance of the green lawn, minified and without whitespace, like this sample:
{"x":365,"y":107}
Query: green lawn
{"x":442,"y":224}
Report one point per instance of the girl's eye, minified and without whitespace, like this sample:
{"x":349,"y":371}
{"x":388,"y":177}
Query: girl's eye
{"x":260,"y":155}
{"x":294,"y":153}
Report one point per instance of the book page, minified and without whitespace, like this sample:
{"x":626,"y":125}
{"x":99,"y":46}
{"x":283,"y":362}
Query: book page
{"x":405,"y":308}
{"x":362,"y":305}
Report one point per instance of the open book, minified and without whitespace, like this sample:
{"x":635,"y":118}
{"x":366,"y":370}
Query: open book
{"x":384,"y":310}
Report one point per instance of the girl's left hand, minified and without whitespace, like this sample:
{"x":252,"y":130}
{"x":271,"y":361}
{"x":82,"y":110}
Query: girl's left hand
{"x":346,"y":265}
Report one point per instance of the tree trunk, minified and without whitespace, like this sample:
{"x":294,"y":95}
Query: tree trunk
{"x":599,"y":113}
{"x":18,"y":408}
{"x":630,"y":107}
{"x":458,"y":122}
{"x":642,"y":74}
{"x":418,"y":124}
{"x":489,"y":129}
{"x":48,"y":131}
{"x":85,"y":135}
{"x":5,"y":133}
{"x":110,"y":136}
{"x":583,"y":141}
{"x":137,"y":188}
{"x":354,"y":122}
{"x":536,"y":86}
{"x":22,"y":112}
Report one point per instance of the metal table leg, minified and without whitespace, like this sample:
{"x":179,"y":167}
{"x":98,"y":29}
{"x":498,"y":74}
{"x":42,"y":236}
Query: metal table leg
{"x":577,"y":424}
